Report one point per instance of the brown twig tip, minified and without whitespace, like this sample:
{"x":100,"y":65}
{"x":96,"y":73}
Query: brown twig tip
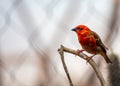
{"x":61,"y":46}
{"x":63,"y":49}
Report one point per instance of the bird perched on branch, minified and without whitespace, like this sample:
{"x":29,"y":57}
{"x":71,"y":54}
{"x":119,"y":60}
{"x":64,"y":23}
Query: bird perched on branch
{"x":90,"y":42}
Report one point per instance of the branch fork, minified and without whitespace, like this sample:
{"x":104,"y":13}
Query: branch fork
{"x":63,"y":49}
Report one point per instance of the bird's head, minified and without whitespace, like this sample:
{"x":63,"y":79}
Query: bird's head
{"x":80,"y":28}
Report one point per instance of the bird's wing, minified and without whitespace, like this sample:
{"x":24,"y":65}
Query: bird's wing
{"x":99,"y":42}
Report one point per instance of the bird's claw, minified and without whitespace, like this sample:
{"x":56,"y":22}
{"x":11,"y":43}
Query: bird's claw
{"x":88,"y":59}
{"x":79,"y":51}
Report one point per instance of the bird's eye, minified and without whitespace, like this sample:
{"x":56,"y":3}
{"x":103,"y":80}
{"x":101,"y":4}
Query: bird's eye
{"x":80,"y":28}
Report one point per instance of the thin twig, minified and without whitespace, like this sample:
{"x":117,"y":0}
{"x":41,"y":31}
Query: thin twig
{"x":61,"y":52}
{"x":83,"y":56}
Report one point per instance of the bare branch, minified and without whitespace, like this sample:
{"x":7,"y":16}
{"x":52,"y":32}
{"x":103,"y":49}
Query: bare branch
{"x":61,"y":52}
{"x":83,"y":56}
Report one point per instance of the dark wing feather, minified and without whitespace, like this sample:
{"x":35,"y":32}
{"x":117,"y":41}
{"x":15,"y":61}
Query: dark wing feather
{"x":102,"y":46}
{"x":98,"y":41}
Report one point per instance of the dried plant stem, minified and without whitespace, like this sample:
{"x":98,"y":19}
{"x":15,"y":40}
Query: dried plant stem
{"x":61,"y":52}
{"x":63,"y":49}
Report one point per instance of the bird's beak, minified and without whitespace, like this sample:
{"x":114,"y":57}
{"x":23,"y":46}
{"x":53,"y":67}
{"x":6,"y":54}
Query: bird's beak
{"x":74,"y":29}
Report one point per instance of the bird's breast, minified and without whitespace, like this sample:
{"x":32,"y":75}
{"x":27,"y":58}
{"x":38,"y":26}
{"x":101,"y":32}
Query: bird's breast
{"x":88,"y":44}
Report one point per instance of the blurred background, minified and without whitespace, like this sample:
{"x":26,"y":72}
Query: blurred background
{"x":31,"y":31}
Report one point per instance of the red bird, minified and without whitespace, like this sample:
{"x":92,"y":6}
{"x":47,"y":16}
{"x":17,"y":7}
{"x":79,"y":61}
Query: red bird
{"x":90,"y":42}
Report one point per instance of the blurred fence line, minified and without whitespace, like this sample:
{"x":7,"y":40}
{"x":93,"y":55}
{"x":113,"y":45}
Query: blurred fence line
{"x":19,"y":21}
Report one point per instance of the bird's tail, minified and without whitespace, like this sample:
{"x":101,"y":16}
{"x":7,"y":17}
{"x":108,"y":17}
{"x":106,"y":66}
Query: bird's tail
{"x":106,"y":58}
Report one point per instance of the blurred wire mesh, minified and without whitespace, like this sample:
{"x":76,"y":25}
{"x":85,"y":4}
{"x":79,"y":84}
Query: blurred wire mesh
{"x":32,"y":30}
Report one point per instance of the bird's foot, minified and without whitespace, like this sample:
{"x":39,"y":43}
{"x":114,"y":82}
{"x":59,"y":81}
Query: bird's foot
{"x":79,"y":51}
{"x":89,"y":58}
